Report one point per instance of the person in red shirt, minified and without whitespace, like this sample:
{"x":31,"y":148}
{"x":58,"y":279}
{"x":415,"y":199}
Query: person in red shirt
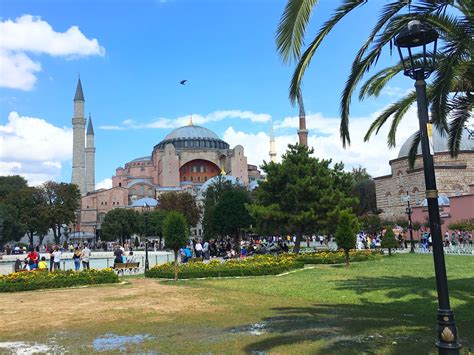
{"x":32,"y":258}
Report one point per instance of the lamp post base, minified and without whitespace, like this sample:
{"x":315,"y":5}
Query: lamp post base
{"x":447,"y":333}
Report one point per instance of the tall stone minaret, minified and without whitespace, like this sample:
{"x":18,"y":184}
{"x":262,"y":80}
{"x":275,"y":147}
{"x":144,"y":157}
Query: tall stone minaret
{"x":302,"y":132}
{"x":272,"y":152}
{"x":78,"y":141}
{"x":90,"y":156}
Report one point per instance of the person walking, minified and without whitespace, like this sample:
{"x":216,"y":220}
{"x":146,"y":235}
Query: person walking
{"x":77,"y":259}
{"x":85,"y":256}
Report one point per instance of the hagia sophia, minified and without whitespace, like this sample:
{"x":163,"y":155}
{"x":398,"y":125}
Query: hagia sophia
{"x":190,"y":157}
{"x":184,"y":160}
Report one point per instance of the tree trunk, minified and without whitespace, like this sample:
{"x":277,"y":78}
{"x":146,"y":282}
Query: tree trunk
{"x":346,"y":254}
{"x":296,"y":248}
{"x":389,"y":251}
{"x":160,"y":247}
{"x":176,"y":265}
{"x":237,"y":242}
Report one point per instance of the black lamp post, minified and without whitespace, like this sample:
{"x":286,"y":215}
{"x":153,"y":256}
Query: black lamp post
{"x":409,"y":211}
{"x":145,"y":210}
{"x":419,"y":68}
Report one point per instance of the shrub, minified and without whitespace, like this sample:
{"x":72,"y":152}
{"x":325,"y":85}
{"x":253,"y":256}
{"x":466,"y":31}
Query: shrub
{"x":36,"y":280}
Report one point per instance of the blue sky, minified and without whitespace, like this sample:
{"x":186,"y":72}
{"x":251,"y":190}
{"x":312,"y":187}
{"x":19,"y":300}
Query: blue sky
{"x":131,"y":56}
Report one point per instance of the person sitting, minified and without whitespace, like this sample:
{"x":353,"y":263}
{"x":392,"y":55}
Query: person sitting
{"x":32,"y":258}
{"x":131,"y":258}
{"x":43,"y":265}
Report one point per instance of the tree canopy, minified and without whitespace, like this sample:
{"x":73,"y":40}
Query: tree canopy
{"x":303,"y":193}
{"x":182,"y":202}
{"x":346,"y":232}
{"x":175,"y":230}
{"x":120,"y":223}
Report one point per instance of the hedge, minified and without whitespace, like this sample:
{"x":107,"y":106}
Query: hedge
{"x":36,"y":280}
{"x":255,"y":266}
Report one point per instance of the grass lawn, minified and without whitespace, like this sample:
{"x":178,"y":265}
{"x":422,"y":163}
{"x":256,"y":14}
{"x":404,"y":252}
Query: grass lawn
{"x":386,"y":306}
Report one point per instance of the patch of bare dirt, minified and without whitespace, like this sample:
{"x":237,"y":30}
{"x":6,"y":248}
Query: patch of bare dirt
{"x":141,"y":300}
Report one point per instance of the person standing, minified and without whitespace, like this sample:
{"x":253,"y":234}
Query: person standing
{"x":85,"y":256}
{"x":56,"y":258}
{"x":205,"y":250}
{"x":77,"y":259}
{"x":198,"y":249}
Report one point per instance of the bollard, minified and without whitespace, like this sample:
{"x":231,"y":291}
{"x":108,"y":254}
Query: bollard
{"x":64,"y":265}
{"x":107,"y":262}
{"x":156,"y":259}
{"x":167,"y":258}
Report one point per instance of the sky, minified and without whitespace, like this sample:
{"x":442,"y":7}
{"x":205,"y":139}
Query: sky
{"x":131,"y":56}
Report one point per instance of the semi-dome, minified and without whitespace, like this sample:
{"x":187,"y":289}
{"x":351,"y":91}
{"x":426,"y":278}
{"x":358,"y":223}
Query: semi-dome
{"x":440,"y":143}
{"x":193,"y":137}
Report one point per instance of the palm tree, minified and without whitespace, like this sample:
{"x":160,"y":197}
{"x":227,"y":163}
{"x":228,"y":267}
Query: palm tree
{"x":451,"y":92}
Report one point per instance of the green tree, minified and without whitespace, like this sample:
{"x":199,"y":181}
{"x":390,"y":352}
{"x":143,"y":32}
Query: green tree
{"x":154,"y":224}
{"x":175,"y":230}
{"x":465,"y":225}
{"x":231,"y":215}
{"x":302,"y":193}
{"x":389,"y":241}
{"x":63,"y":202}
{"x":346,"y":232}
{"x":371,"y":223}
{"x":33,"y":212}
{"x":212,"y":196}
{"x":450,"y":92}
{"x":364,"y":190}
{"x":182,"y":202}
{"x":11,"y":184}
{"x":120,"y":223}
{"x":11,"y":227}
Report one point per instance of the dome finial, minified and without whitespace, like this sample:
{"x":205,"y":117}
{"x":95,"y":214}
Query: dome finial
{"x":223,"y":173}
{"x":190,"y":120}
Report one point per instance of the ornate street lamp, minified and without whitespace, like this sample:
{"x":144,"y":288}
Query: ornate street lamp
{"x":409,"y":212}
{"x":419,"y":67}
{"x":146,"y":209}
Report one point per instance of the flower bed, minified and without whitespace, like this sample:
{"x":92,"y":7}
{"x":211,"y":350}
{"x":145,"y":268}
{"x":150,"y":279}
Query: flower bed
{"x":36,"y":280}
{"x":335,"y":257}
{"x":254,"y":266}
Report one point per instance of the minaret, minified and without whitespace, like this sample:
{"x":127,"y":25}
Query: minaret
{"x":90,"y":156}
{"x":78,"y":140}
{"x":302,"y":132}
{"x":272,"y":152}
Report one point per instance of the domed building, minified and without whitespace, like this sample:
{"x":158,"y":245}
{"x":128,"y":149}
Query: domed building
{"x":454,"y":177}
{"x":184,"y":160}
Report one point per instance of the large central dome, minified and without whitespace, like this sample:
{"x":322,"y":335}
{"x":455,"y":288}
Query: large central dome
{"x":193,"y":137}
{"x":191,"y":131}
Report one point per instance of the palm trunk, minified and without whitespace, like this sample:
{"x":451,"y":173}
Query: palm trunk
{"x":176,"y":264}
{"x":346,"y":254}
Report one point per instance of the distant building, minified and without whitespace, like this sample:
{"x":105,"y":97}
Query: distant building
{"x":182,"y":161}
{"x":454,"y":179}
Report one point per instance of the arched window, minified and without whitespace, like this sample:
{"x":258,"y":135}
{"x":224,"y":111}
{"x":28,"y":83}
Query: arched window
{"x":457,"y":190}
{"x":417,"y":197}
{"x":388,"y":195}
{"x":400,"y":177}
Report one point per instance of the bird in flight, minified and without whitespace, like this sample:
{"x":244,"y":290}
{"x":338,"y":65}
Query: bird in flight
{"x":183,"y":82}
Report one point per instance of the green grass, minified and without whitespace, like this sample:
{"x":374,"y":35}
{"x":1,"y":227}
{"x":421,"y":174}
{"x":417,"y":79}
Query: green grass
{"x":385,"y":306}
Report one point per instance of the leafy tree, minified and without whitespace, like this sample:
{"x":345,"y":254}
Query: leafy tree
{"x":231,"y":215}
{"x":120,"y":223}
{"x":389,"y":241}
{"x":302,"y":193}
{"x":11,"y":184}
{"x":465,"y":225}
{"x":450,"y":92}
{"x":154,"y":224}
{"x":33,"y":212}
{"x":182,"y":202}
{"x":175,"y":230}
{"x":371,"y":223}
{"x":364,"y":190}
{"x":346,"y":232}
{"x":212,"y":196}
{"x":11,"y":227}
{"x":63,"y":202}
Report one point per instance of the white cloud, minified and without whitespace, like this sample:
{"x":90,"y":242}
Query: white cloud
{"x":29,"y":34}
{"x":197,"y":119}
{"x":324,"y":138}
{"x":104,"y":184}
{"x":33,"y":148}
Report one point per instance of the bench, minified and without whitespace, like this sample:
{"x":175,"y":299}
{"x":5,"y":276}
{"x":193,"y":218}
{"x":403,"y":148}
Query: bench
{"x":127,"y":268}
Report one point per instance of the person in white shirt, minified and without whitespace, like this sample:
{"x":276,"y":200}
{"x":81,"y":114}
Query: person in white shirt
{"x":198,"y":249}
{"x":131,"y":258}
{"x":205,"y":250}
{"x":85,"y":256}
{"x":57,"y":258}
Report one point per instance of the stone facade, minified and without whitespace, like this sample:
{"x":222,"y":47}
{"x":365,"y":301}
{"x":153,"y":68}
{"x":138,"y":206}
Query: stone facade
{"x":453,"y":178}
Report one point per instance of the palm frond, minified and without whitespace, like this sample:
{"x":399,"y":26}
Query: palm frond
{"x":292,"y":27}
{"x":460,"y":115}
{"x":404,"y":105}
{"x":305,"y":59}
{"x":414,"y":149}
